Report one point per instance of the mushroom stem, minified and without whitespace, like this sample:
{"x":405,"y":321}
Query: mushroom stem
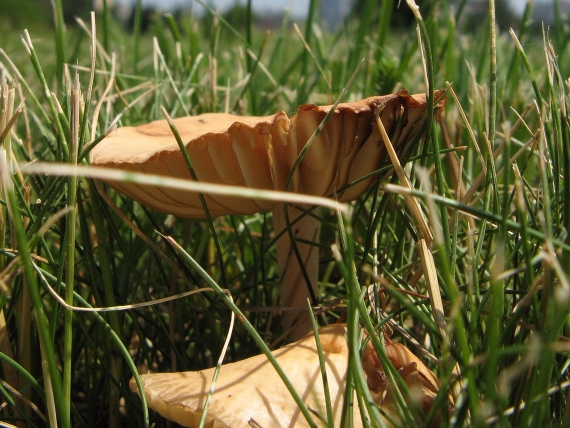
{"x":293,"y":284}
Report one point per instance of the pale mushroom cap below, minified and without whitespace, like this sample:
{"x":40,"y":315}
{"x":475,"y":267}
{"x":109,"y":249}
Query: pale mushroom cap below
{"x":252,"y":390}
{"x":259,"y":152}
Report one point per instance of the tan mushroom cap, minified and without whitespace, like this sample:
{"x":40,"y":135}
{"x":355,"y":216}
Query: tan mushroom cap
{"x":259,"y":152}
{"x":251,"y":390}
{"x":223,"y":148}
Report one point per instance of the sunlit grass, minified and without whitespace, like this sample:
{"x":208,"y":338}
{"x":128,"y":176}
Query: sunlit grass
{"x":490,"y":187}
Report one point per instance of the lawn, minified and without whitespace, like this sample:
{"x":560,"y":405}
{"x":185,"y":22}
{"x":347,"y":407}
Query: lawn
{"x":486,"y":202}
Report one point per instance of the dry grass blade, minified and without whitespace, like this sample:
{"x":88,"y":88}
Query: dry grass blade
{"x":424,"y":243}
{"x":22,"y":398}
{"x":467,"y":126}
{"x":173,"y":183}
{"x":411,"y":202}
{"x":430,"y":275}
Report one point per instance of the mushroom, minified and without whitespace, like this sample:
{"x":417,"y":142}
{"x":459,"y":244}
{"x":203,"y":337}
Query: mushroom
{"x":250,"y":392}
{"x":260,"y":152}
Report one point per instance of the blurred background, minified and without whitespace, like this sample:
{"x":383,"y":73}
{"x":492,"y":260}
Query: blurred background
{"x":22,"y":13}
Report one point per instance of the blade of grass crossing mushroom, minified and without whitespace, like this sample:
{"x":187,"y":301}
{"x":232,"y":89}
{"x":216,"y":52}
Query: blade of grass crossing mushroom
{"x":101,"y":173}
{"x":200,"y":195}
{"x":427,"y":59}
{"x":247,"y":325}
{"x":87,"y":147}
{"x":317,"y":131}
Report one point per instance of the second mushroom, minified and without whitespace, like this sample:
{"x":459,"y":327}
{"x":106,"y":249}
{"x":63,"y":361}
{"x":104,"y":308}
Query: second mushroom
{"x":260,"y":152}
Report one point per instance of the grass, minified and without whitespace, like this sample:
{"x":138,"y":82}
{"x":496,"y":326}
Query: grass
{"x":491,"y":179}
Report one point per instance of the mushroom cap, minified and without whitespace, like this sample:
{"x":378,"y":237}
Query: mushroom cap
{"x":251,"y":390}
{"x":223,"y":148}
{"x":259,"y":152}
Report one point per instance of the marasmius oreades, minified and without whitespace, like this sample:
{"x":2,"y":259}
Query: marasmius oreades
{"x":259,"y":152}
{"x":250,"y":393}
